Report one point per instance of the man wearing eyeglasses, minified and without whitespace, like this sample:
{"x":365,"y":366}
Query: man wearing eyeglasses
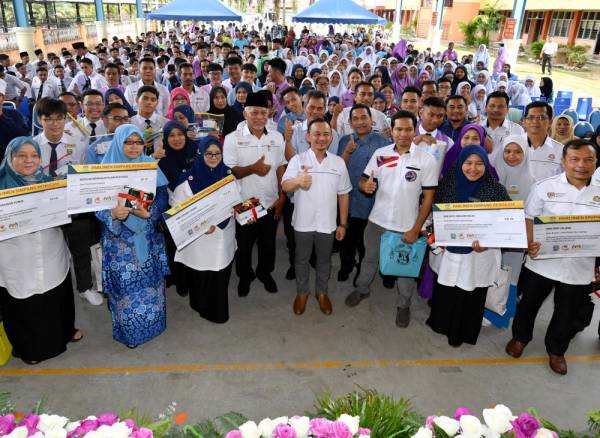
{"x":113,"y":116}
{"x":89,"y":123}
{"x":545,"y":153}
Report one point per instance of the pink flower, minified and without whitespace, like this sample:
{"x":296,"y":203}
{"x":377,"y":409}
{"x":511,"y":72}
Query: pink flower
{"x":107,"y":419}
{"x":30,"y":422}
{"x":130,"y":424}
{"x":284,"y":431}
{"x":142,"y":433}
{"x":340,"y":430}
{"x":234,"y":434}
{"x":364,"y":431}
{"x":525,"y":426}
{"x":463,"y":410}
{"x":429,"y":421}
{"x":7,"y":424}
{"x":320,"y":427}
{"x":84,"y":427}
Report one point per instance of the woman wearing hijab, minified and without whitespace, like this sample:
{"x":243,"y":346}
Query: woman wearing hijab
{"x":218,"y":105}
{"x":532,"y":89}
{"x":547,"y":89}
{"x":482,"y":55}
{"x":518,"y":95}
{"x":179,"y":96}
{"x":464,"y":273}
{"x":184,"y":114}
{"x":336,"y":84}
{"x":401,"y":49}
{"x":116,"y":95}
{"x":464,"y":89}
{"x":460,"y":75}
{"x":413,"y":76}
{"x":385,"y":75}
{"x":483,"y":78}
{"x":242,"y":89}
{"x":307,"y":85}
{"x":298,"y":73}
{"x":479,"y":94}
{"x":207,"y":261}
{"x":562,"y":129}
{"x":501,"y":59}
{"x":134,"y":260}
{"x":400,"y":79}
{"x":472,"y":133}
{"x":36,"y":293}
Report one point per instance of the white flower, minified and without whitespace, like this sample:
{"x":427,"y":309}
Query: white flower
{"x":470,"y":426}
{"x":351,"y":422}
{"x":423,"y":432}
{"x":266,"y":427}
{"x":542,"y":432}
{"x":55,"y":433}
{"x":48,"y":422}
{"x":249,"y":430}
{"x":72,"y":426}
{"x":498,"y":419}
{"x":301,"y":425}
{"x":364,"y":436}
{"x":448,"y":425}
{"x":280,"y":420}
{"x":18,"y":432}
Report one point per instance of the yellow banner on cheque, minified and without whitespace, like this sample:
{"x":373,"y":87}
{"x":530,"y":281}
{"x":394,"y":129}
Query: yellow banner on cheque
{"x":567,"y":219}
{"x":118,"y":167}
{"x":207,"y":191}
{"x":34,"y":188}
{"x":479,"y":206}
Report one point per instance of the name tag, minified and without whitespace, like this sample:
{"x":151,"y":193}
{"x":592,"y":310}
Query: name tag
{"x":70,"y":148}
{"x":102,"y":148}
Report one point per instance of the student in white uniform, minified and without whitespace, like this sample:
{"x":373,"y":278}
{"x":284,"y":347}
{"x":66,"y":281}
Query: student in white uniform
{"x":207,"y":260}
{"x":147,"y":78}
{"x":365,"y":94}
{"x":545,"y":153}
{"x":255,"y":156}
{"x":398,"y":175}
{"x":569,"y":193}
{"x":149,"y":120}
{"x":113,"y":116}
{"x":320,"y":183}
{"x":89,"y":123}
{"x":199,"y":98}
{"x":497,"y":125}
{"x":42,"y":87}
{"x":87,"y":79}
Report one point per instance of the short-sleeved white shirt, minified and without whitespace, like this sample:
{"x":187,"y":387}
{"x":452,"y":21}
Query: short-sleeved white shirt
{"x":241,"y":148}
{"x":501,"y":132}
{"x":316,"y":208}
{"x":555,"y":196}
{"x":199,"y":99}
{"x":380,"y":122}
{"x":71,"y":150}
{"x":400,"y":182}
{"x":545,"y":160}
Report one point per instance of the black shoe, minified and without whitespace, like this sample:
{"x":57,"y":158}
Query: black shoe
{"x":389,"y":282}
{"x":343,"y":274}
{"x":291,"y":273}
{"x":243,"y":288}
{"x":402,"y":317}
{"x":354,"y":298}
{"x":268,"y":282}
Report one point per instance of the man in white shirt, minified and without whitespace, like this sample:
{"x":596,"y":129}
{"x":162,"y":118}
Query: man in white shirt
{"x":90,"y":124}
{"x":365,"y":94}
{"x":569,"y":193}
{"x":256,"y":158}
{"x":549,"y":49}
{"x":149,"y":121}
{"x":82,"y":53}
{"x":398,"y":175}
{"x":58,"y":76}
{"x":42,"y":87}
{"x":545,"y":153}
{"x":234,"y":70}
{"x":59,"y":148}
{"x":15,"y":88}
{"x":86,"y":78}
{"x":320,"y":183}
{"x":147,"y":76}
{"x":497,"y":125}
{"x":199,"y":98}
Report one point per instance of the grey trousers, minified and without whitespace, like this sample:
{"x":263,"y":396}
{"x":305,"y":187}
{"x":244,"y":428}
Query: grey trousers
{"x":370,"y":264}
{"x":323,"y":245}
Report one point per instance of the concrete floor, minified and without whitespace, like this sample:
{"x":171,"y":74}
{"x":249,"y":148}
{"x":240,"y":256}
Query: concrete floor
{"x":268,"y":362}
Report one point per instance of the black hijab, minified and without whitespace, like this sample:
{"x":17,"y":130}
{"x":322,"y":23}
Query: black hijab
{"x":176,"y":161}
{"x":231,"y":118}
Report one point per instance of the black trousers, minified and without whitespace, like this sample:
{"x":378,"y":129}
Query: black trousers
{"x":353,"y":242}
{"x":569,"y":302}
{"x":262,"y":232}
{"x":290,"y":237}
{"x":81,"y":234}
{"x":546,"y":59}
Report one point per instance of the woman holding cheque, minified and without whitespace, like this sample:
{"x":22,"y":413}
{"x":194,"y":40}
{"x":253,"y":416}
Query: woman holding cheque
{"x":36,"y":294}
{"x":133,"y":249}
{"x":464,"y":273}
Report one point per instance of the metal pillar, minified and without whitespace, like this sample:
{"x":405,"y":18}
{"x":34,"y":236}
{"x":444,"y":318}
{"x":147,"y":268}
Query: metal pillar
{"x":437,"y":15}
{"x":513,"y":42}
{"x":397,"y":21}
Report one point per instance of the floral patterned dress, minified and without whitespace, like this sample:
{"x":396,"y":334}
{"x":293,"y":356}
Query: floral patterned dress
{"x":136,"y":291}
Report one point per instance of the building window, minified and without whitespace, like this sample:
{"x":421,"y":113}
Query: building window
{"x":559,"y":26}
{"x":448,"y":3}
{"x":425,"y":3}
{"x":590,"y":26}
{"x":533,"y":15}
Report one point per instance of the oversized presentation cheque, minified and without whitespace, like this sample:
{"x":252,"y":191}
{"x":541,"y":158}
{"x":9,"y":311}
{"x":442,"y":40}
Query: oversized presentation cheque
{"x":567,"y":236}
{"x":493,"y":224}
{"x":27,"y":209}
{"x":194,"y":216}
{"x":95,"y":187}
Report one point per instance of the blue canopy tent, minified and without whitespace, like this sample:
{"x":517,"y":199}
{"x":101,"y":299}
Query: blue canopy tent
{"x":208,"y":10}
{"x":337,"y":12}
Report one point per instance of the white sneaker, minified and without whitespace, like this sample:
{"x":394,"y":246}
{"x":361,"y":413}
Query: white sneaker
{"x":93,"y":297}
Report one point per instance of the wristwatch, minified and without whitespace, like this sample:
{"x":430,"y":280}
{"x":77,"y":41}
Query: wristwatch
{"x":345,"y":226}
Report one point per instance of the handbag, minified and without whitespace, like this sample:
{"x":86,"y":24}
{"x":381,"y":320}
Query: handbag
{"x":5,"y":347}
{"x":497,"y":294}
{"x":399,"y":258}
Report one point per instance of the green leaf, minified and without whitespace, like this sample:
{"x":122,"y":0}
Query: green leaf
{"x":228,"y":422}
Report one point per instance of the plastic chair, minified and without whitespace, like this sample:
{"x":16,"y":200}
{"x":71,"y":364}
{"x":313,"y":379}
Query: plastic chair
{"x":572,"y":114}
{"x":564,"y":95}
{"x":583,"y":130}
{"x":515,"y":113}
{"x":594,"y":119}
{"x":561,"y":104}
{"x":584,"y":107}
{"x":536,"y":98}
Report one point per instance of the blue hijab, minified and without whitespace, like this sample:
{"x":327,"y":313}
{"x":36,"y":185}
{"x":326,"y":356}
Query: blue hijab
{"x":237,"y":106}
{"x":175,"y":161}
{"x":187,"y":111}
{"x":465,"y":189}
{"x":200,"y":176}
{"x":119,"y":93}
{"x":9,"y":178}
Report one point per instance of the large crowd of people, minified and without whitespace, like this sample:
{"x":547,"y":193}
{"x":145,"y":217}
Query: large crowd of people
{"x":342,"y":137}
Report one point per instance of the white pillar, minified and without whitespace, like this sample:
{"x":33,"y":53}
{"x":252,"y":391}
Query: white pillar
{"x":25,"y":39}
{"x":101,"y":30}
{"x":140,"y":25}
{"x":435,"y":38}
{"x":512,"y":47}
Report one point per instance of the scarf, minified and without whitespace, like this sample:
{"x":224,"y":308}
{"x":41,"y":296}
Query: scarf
{"x":340,"y":88}
{"x":9,"y":177}
{"x":187,"y":111}
{"x":175,"y":93}
{"x":118,"y":92}
{"x":547,"y":90}
{"x":231,"y":118}
{"x":518,"y":179}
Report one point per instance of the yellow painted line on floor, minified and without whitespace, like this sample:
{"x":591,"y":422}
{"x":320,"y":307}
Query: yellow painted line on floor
{"x":196,"y":368}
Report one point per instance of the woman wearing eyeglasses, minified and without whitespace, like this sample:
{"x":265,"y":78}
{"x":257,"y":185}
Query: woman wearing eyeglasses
{"x":207,"y":260}
{"x":134,"y":260}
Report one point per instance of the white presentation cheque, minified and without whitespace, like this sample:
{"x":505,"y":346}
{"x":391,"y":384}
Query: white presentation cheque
{"x":193,"y":217}
{"x":95,"y":187}
{"x":567,"y":236}
{"x":27,"y":209}
{"x":493,"y":224}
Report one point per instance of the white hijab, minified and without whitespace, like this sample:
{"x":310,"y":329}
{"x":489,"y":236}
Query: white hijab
{"x":518,"y":179}
{"x":489,"y":87}
{"x":371,"y":57}
{"x":479,"y":102}
{"x":534,"y":90}
{"x":519,"y":95}
{"x":340,"y":88}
